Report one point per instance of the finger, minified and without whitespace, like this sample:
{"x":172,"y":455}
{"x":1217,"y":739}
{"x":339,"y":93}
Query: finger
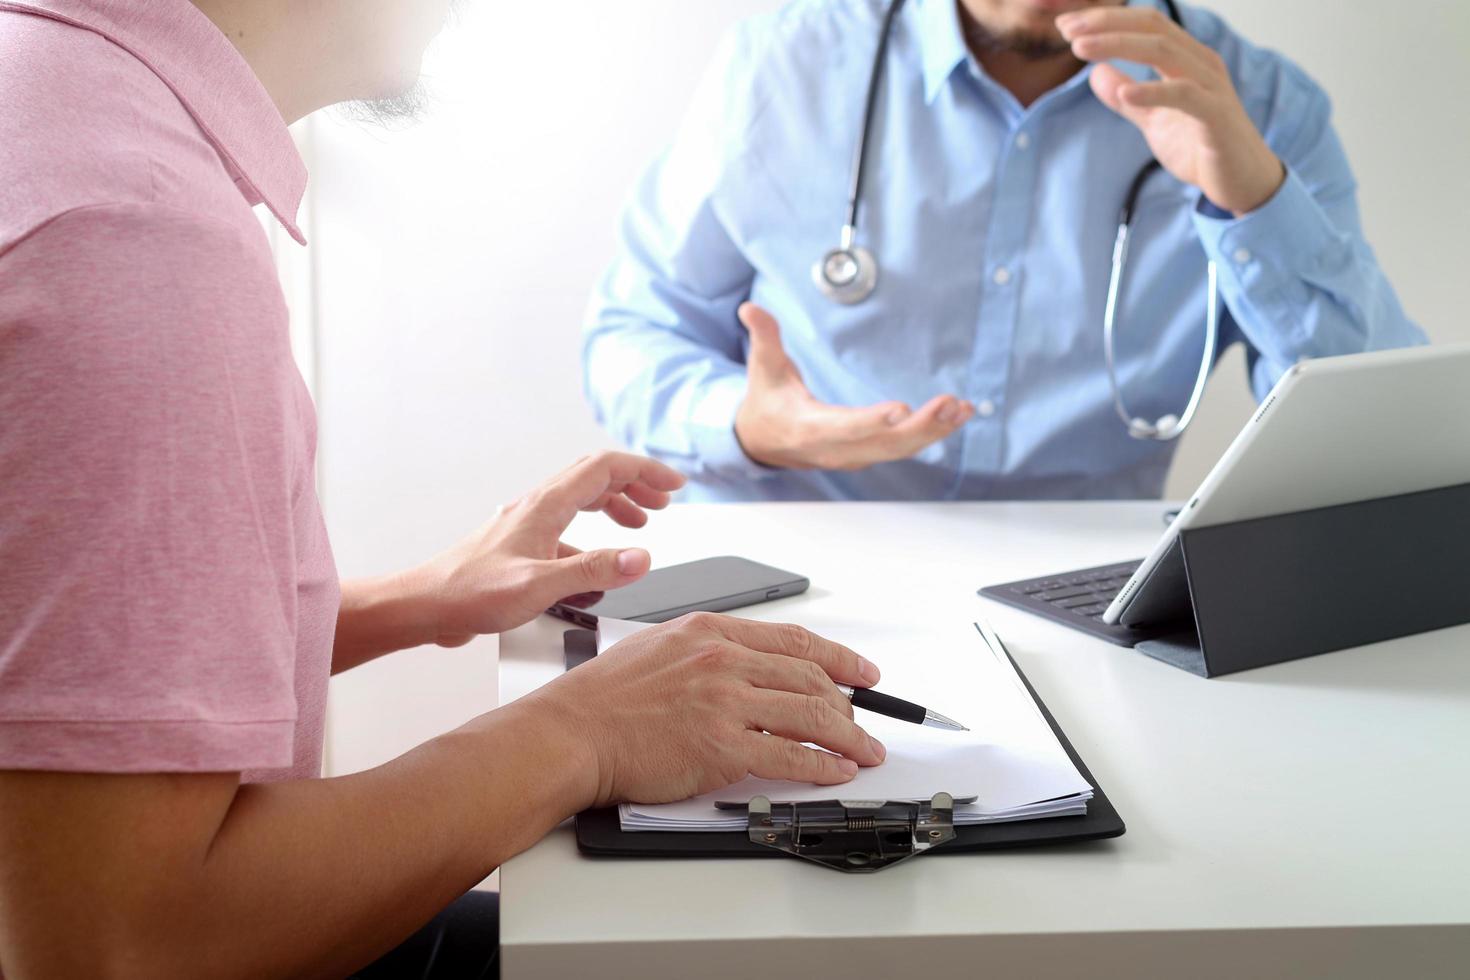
{"x":1183,"y":94}
{"x":596,"y":571}
{"x":1169,"y":55}
{"x":774,"y":757}
{"x":879,"y":434}
{"x":1140,"y":20}
{"x":941,"y":414}
{"x":841,"y":425}
{"x":1109,"y":19}
{"x":841,"y":664}
{"x":624,"y":511}
{"x":767,"y":359}
{"x":1105,"y":82}
{"x":585,"y":483}
{"x":645,"y":496}
{"x":792,"y":675}
{"x":564,"y":550}
{"x":936,"y":420}
{"x":873,"y":418}
{"x":807,"y":718}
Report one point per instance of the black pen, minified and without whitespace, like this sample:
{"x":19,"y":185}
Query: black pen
{"x":887,"y":704}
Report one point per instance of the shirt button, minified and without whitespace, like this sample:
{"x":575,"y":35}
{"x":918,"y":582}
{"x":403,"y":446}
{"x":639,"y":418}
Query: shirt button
{"x":985,"y":409}
{"x":1241,"y":256}
{"x":1002,"y":276}
{"x":1023,"y":140}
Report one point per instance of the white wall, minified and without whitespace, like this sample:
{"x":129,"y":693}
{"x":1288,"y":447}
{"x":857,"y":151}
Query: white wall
{"x":452,"y":259}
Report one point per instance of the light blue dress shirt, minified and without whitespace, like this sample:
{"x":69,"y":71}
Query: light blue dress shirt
{"x":993,"y":225}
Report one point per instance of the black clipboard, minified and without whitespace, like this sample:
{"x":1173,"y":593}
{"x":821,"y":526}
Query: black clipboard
{"x":600,"y":834}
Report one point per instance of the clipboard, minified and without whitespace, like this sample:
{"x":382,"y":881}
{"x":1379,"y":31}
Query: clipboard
{"x":600,"y":834}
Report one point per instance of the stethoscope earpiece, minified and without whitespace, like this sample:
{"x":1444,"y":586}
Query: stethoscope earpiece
{"x":846,"y":275}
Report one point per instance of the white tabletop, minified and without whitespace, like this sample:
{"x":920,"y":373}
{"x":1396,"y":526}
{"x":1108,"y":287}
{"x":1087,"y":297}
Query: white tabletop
{"x":1305,"y":819}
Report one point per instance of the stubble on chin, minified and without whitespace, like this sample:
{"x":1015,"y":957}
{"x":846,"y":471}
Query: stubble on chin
{"x":409,"y":106}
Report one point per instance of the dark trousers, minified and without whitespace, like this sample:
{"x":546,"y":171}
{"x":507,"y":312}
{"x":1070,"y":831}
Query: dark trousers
{"x":460,"y":943}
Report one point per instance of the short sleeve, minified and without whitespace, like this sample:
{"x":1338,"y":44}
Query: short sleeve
{"x":147,"y":469}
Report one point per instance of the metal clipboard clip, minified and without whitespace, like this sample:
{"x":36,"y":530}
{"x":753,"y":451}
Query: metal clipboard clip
{"x":852,"y":835}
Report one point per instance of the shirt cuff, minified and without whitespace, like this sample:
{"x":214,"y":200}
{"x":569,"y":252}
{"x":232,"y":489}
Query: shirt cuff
{"x":1260,"y":255}
{"x":712,"y":430}
{"x":1271,"y":243}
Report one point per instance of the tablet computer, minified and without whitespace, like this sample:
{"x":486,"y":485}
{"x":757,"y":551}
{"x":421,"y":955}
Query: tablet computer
{"x":1334,"y":430}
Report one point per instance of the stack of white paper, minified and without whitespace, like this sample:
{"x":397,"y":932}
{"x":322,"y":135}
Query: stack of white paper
{"x":1010,"y":761}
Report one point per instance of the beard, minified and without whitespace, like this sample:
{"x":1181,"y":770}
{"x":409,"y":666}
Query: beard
{"x":1027,"y":44}
{"x":405,"y":108}
{"x":411,"y":104}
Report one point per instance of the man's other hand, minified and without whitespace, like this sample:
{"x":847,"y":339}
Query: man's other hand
{"x":781,"y":424}
{"x":517,"y":565}
{"x":699,"y":703}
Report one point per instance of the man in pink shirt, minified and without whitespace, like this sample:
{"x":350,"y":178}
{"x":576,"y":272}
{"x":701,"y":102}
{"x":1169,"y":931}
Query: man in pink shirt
{"x":169,"y":609}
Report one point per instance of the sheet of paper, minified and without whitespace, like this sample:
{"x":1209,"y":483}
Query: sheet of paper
{"x":610,"y":631}
{"x":1010,"y":761}
{"x":964,"y":814}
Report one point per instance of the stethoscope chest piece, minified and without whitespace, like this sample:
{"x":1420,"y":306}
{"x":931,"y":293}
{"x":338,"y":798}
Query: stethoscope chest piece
{"x":847,"y":274}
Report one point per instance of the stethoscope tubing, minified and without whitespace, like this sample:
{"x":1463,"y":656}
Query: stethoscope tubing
{"x":848,"y":274}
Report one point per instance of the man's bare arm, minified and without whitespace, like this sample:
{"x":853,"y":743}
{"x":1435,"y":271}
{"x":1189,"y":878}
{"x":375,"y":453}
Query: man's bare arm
{"x":162,"y":876}
{"x":195,"y":875}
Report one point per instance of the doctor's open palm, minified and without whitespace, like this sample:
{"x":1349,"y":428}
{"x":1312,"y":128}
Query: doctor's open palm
{"x":782,"y":424}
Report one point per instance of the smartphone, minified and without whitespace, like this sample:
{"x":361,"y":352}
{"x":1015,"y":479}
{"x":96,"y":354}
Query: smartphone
{"x":709,"y":585}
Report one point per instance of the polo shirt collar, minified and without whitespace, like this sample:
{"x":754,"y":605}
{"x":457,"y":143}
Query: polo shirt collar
{"x":211,"y":79}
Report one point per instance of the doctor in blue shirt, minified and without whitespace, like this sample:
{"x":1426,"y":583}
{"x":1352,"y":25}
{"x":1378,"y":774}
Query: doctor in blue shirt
{"x":970,"y":361}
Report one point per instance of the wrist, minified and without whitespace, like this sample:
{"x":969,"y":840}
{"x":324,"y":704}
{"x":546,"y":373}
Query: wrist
{"x":1271,"y":174}
{"x":393,"y":612}
{"x":569,"y":760}
{"x":755,"y":455}
{"x":516,"y":761}
{"x":776,"y":441}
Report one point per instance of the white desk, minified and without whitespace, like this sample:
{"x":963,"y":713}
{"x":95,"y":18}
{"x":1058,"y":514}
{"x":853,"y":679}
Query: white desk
{"x":1266,"y":811}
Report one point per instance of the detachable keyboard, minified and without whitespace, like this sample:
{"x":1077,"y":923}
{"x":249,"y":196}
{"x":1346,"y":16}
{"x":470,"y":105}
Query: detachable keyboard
{"x":1078,"y":599}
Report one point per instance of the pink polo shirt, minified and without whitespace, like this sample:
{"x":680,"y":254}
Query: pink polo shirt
{"x":167,"y":592}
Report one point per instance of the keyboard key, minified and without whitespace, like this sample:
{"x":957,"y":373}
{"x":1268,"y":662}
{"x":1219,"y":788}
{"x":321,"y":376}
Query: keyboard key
{"x":1097,"y":609}
{"x":1087,"y":599}
{"x":1054,"y":594}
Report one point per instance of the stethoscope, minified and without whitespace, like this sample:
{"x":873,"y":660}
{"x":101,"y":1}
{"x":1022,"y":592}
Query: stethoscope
{"x":848,"y":274}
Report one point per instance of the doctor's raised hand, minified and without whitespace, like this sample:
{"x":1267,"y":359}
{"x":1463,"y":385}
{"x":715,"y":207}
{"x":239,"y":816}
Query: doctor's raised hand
{"x":782,"y":424}
{"x":1191,"y":116}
